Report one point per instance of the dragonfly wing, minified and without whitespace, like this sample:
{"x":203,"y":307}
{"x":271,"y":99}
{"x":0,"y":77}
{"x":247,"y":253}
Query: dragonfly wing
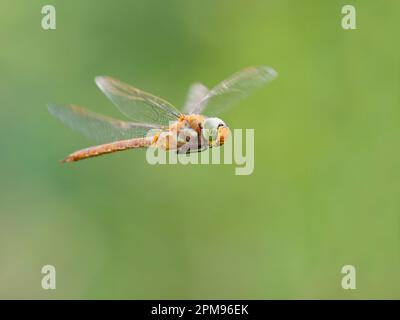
{"x":197,"y":92}
{"x":230,"y":91}
{"x":98,"y":127}
{"x":137,"y":104}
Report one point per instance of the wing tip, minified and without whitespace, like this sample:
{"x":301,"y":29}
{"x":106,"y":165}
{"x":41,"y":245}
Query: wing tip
{"x":52,"y":108}
{"x":101,"y":81}
{"x":270,"y":71}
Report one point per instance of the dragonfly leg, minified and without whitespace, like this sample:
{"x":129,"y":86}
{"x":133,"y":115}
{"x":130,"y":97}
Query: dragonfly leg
{"x":191,"y":147}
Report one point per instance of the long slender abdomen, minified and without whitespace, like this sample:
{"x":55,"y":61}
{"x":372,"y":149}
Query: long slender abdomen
{"x":109,"y":148}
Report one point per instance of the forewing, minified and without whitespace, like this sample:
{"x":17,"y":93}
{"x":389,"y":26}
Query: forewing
{"x":197,"y":92}
{"x":136,"y":104}
{"x":98,"y":127}
{"x":230,"y":91}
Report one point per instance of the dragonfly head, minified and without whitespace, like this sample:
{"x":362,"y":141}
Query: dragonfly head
{"x":215,"y":131}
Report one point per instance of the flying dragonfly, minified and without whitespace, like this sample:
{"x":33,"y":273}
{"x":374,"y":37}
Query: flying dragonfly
{"x":156,"y":122}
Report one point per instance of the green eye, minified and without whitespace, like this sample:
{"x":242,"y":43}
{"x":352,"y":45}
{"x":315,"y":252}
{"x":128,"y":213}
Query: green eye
{"x":210,"y":130}
{"x":210,"y":134}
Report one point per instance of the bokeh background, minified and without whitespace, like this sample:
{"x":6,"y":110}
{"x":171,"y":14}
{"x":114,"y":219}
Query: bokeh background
{"x":324,"y":193}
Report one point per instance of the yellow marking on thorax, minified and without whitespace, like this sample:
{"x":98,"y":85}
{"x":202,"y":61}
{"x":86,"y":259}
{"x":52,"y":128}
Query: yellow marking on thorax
{"x":195,"y":121}
{"x":155,"y":138}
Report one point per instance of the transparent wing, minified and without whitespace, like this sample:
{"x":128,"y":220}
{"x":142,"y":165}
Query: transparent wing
{"x":137,"y":104}
{"x":197,"y":92}
{"x":232,"y":90}
{"x":98,"y":127}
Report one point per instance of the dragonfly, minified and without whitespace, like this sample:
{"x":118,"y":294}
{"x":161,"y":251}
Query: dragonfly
{"x":154,"y":122}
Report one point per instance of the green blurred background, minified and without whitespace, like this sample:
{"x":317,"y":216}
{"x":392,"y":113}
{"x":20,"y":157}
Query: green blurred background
{"x":324,"y":192}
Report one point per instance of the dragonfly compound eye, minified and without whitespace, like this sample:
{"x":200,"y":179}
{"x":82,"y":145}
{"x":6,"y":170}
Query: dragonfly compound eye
{"x":210,"y":130}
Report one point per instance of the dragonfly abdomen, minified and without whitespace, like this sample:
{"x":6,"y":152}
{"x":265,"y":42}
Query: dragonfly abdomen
{"x":108,"y":148}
